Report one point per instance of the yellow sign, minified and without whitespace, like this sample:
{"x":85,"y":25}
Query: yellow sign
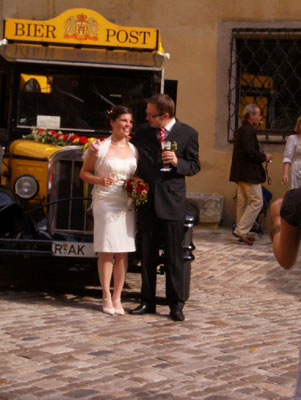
{"x":80,"y":26}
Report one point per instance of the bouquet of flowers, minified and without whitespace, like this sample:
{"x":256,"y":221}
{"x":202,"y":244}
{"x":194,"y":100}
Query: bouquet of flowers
{"x":136,"y":189}
{"x":57,"y":138}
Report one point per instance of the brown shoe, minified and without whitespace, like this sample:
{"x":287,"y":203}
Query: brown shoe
{"x":251,"y":238}
{"x":246,"y":239}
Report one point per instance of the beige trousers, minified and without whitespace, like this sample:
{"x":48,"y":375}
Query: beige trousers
{"x":249,"y":204}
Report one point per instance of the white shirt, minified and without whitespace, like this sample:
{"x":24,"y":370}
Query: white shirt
{"x":169,"y":126}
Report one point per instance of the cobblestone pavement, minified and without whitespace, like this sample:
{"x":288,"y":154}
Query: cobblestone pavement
{"x":239,"y":341}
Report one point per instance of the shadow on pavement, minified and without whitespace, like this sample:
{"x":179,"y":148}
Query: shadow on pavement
{"x":38,"y":280}
{"x":286,"y":281}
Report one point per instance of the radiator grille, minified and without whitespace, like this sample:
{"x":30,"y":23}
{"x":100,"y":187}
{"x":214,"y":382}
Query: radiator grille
{"x":69,"y":210}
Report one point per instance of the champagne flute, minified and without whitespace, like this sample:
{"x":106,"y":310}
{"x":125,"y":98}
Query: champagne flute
{"x":165,"y":146}
{"x":113,"y":176}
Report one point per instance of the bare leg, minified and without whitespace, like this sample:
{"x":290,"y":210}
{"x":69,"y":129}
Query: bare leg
{"x":105,"y":269}
{"x":120,"y":269}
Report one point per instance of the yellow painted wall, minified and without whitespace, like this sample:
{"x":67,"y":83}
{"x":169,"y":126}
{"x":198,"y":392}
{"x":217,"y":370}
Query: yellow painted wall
{"x":192,"y":32}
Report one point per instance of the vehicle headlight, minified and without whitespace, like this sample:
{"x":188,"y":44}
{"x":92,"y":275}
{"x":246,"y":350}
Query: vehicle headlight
{"x":26,"y":187}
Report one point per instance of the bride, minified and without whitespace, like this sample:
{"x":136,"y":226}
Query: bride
{"x":114,"y":220}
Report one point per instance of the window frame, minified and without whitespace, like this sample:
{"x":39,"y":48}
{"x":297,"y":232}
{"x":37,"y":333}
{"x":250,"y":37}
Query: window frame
{"x":222,"y":79}
{"x":246,"y":86}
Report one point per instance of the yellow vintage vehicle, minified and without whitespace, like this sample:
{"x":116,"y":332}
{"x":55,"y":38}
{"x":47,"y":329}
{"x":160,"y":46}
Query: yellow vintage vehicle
{"x":58,"y":78}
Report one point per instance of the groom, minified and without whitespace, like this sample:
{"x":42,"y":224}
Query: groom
{"x":164,"y":213}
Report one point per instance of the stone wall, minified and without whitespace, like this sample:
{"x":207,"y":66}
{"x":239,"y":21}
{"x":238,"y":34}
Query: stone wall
{"x":210,"y":205}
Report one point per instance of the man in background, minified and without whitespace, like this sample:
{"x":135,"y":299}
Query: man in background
{"x":247,"y":171}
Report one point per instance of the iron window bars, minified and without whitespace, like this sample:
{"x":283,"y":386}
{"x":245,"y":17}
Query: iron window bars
{"x":265,"y":68}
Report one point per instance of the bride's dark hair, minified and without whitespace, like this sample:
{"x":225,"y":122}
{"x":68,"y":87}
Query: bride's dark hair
{"x":116,"y":111}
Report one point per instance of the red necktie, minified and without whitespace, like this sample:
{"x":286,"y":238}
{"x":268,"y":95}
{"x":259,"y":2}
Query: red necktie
{"x":162,"y":134}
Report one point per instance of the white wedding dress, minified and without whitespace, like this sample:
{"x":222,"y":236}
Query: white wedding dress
{"x":114,"y":215}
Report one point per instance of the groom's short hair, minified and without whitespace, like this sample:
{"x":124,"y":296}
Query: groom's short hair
{"x":164,"y":104}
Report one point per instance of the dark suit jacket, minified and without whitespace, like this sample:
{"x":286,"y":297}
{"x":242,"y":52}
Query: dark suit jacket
{"x":167,"y":190}
{"x":247,"y":158}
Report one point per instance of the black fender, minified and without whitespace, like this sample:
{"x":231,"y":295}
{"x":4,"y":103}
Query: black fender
{"x":13,"y":219}
{"x":7,"y":201}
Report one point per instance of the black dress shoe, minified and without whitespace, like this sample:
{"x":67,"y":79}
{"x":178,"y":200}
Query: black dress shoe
{"x":144,"y":308}
{"x":177,"y":315}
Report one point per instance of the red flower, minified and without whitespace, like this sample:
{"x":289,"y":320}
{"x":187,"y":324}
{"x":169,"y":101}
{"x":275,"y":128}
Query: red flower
{"x":73,"y":137}
{"x":56,"y":138}
{"x":137,"y":189}
{"x":83,"y":140}
{"x":129,"y":186}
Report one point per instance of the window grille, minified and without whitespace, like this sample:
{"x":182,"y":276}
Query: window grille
{"x":265,"y":69}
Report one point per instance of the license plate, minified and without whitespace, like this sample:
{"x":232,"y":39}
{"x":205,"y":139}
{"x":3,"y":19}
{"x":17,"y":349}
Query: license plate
{"x":73,"y":249}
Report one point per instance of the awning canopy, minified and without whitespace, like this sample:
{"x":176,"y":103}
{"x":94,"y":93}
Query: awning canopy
{"x":131,"y":59}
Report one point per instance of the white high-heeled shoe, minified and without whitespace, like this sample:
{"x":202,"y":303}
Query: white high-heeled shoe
{"x":118,"y":311}
{"x":106,"y":310}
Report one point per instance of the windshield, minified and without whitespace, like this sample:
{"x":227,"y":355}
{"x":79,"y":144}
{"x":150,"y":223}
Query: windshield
{"x":79,"y":101}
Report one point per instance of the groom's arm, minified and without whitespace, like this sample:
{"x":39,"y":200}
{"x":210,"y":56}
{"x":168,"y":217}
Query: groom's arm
{"x":189,"y":164}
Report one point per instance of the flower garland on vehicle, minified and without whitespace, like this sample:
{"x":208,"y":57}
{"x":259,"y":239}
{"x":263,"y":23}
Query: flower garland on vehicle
{"x":57,"y":138}
{"x":136,"y":189}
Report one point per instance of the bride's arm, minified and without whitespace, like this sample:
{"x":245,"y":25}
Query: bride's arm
{"x":87,"y":175}
{"x":86,"y":172}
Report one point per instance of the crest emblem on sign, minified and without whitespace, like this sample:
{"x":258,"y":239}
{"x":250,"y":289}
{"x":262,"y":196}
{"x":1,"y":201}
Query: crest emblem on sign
{"x":81,"y":28}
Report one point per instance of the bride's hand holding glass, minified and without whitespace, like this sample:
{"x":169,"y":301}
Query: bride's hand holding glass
{"x":108,"y":180}
{"x":113,"y":177}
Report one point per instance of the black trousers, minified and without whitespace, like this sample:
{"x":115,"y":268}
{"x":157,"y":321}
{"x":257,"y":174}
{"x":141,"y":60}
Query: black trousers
{"x":152,"y":233}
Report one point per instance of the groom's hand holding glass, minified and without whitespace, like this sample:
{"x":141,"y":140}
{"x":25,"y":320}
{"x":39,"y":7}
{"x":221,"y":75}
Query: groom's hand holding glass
{"x":169,"y":156}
